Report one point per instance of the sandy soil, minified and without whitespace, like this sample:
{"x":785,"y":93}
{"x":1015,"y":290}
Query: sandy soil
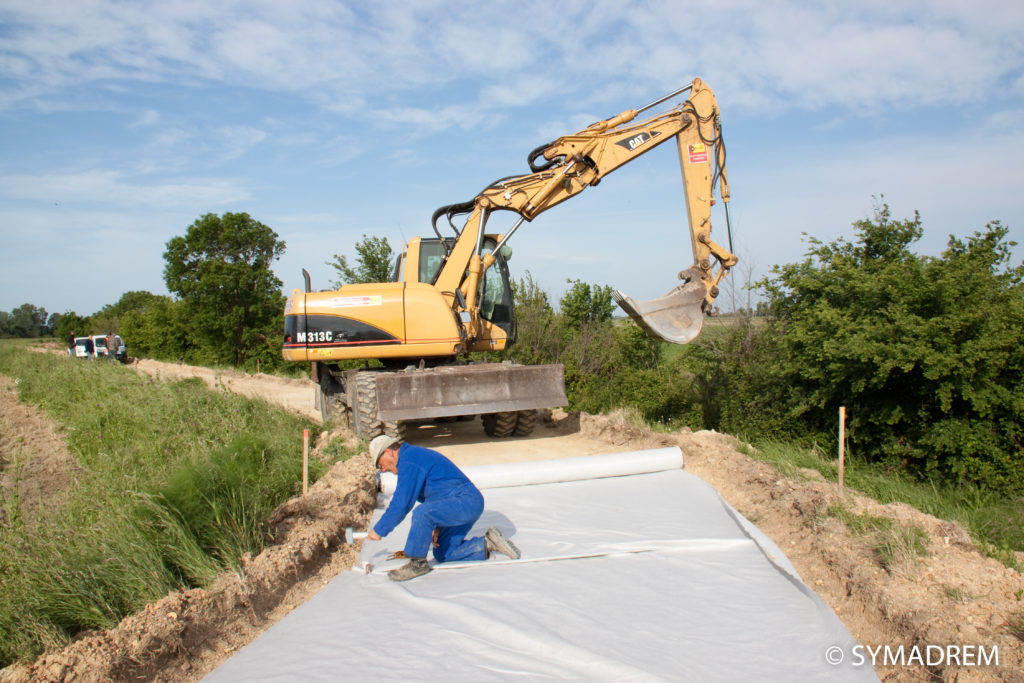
{"x":954,"y":596}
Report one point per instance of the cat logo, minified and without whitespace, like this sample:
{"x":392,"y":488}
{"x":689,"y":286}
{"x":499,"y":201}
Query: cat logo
{"x":636,"y":141}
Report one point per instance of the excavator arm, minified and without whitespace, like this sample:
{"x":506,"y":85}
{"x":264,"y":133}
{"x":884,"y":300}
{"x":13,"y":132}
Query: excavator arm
{"x":567,"y":166}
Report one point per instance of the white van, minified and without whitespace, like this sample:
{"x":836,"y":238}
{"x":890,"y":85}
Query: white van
{"x":85,"y":347}
{"x":100,"y":344}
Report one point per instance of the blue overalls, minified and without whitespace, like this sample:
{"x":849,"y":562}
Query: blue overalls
{"x":448,"y":501}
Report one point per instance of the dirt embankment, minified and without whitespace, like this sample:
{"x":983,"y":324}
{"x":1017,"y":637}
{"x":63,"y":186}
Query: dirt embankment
{"x":953,"y":596}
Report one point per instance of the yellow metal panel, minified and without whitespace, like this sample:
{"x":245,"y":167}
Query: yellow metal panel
{"x":412,"y":260}
{"x":378,"y":304}
{"x":430,"y":322}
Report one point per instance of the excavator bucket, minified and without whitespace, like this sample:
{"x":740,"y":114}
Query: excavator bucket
{"x":676,"y":317}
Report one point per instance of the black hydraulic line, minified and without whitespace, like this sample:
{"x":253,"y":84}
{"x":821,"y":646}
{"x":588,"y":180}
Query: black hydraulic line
{"x":449,"y":210}
{"x":728,"y":227}
{"x":539,"y":152}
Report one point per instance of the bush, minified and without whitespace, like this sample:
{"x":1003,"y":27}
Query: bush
{"x":924,"y":352}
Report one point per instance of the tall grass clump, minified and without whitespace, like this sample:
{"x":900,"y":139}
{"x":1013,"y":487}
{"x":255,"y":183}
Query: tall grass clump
{"x":171,"y":487}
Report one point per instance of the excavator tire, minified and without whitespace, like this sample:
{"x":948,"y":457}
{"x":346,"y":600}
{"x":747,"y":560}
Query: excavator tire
{"x":395,"y":429}
{"x":364,"y":415}
{"x":500,"y":424}
{"x":525,"y":422}
{"x":329,"y":398}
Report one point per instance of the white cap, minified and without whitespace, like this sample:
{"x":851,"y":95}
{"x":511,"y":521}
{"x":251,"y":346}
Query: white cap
{"x":378,"y":445}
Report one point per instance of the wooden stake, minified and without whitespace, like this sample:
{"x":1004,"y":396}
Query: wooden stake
{"x":305,"y":461}
{"x":842,"y":444}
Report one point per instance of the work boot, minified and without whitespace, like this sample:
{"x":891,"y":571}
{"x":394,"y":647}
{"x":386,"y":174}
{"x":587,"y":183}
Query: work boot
{"x":416,"y":566}
{"x":494,"y":541}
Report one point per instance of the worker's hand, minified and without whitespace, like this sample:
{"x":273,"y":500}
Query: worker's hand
{"x":433,"y":540}
{"x":371,"y":535}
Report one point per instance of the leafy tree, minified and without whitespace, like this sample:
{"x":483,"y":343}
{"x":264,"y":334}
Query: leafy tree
{"x":540,"y":339}
{"x":70,"y":322}
{"x":108,"y":318}
{"x":221,"y":269}
{"x":587,"y":303}
{"x":159,"y":330}
{"x":373,"y":262}
{"x":53,"y":322}
{"x":925,"y":353}
{"x":28,"y":321}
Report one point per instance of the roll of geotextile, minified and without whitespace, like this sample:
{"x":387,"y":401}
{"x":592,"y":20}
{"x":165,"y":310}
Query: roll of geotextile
{"x":564,"y":469}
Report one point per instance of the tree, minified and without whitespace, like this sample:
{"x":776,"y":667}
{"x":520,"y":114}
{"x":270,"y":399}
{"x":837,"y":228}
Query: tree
{"x":221,"y":270}
{"x":373,"y":262}
{"x":71,"y":322}
{"x":540,"y":333}
{"x":158,"y":330}
{"x":925,"y":353}
{"x":28,"y":321}
{"x":587,"y":303}
{"x":108,"y":318}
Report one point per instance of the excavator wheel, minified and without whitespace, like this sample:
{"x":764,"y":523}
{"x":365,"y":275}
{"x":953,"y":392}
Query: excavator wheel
{"x":364,"y":415}
{"x":500,"y":424}
{"x":525,"y":422}
{"x":396,"y":429}
{"x":329,"y":398}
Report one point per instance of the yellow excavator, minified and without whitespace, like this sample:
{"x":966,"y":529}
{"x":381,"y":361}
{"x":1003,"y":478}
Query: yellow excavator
{"x":451,"y":295}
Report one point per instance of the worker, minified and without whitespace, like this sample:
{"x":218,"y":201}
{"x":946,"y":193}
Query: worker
{"x":450,"y":504}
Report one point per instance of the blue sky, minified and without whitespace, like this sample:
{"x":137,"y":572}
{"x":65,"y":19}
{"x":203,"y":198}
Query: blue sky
{"x":123,"y":122}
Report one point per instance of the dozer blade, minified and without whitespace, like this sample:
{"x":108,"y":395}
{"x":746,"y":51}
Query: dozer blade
{"x":676,"y":317}
{"x":469,"y":390}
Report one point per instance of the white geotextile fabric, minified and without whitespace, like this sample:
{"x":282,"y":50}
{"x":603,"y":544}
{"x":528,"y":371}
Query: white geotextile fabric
{"x":648,"y":576}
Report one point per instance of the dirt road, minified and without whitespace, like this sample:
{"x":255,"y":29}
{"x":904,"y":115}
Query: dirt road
{"x":465,"y":443}
{"x":952,"y":597}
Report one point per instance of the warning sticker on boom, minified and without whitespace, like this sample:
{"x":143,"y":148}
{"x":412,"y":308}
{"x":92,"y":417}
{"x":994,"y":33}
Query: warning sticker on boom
{"x":698,"y":153}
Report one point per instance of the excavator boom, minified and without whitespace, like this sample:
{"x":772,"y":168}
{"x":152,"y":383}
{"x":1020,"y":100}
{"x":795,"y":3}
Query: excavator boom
{"x":567,"y":166}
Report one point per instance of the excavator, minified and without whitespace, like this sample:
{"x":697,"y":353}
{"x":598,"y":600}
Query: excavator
{"x":451,"y":296}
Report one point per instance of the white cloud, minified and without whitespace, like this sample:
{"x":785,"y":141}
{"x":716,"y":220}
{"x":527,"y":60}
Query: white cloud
{"x":149,"y":117}
{"x":336,"y":108}
{"x":763,"y":54}
{"x":237,"y":140}
{"x":109,"y":187}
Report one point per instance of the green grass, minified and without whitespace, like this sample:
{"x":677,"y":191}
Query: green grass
{"x":995,"y":522}
{"x":1017,"y":625}
{"x":172,"y":484}
{"x":900,"y":546}
{"x":895,"y":545}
